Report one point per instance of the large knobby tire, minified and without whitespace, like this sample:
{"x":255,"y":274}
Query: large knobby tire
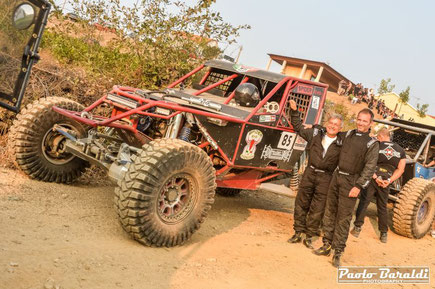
{"x":166,"y":192}
{"x":31,"y":140}
{"x":228,"y":192}
{"x":414,"y":211}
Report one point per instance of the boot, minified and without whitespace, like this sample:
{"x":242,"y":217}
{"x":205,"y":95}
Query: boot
{"x":296,"y":238}
{"x":355,"y":231}
{"x":336,"y":258}
{"x":325,"y":250}
{"x":383,"y":237}
{"x":308,"y":242}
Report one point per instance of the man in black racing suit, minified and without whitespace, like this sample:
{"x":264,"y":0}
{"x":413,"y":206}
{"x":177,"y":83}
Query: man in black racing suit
{"x":356,"y":165}
{"x":323,"y":146}
{"x":391,"y":165}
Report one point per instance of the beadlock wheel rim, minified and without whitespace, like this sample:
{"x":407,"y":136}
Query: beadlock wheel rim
{"x":423,"y":211}
{"x":177,"y":198}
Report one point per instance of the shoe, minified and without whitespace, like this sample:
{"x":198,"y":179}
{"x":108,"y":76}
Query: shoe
{"x":325,"y":250}
{"x":383,"y":237}
{"x":296,"y":238}
{"x":336,"y":258}
{"x":308,"y":242}
{"x":355,"y":231}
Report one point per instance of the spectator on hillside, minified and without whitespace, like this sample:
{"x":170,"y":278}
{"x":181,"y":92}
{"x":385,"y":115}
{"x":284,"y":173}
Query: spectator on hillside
{"x":364,"y":95}
{"x":371,"y":93}
{"x":378,"y":106}
{"x":341,"y":87}
{"x":356,"y":89}
{"x":372,"y":103}
{"x":354,"y":100}
{"x":348,"y":88}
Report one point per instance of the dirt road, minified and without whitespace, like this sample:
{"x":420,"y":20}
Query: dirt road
{"x":67,"y":236}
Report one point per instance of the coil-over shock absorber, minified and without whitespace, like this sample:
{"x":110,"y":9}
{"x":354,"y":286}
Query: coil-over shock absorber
{"x":185,"y":133}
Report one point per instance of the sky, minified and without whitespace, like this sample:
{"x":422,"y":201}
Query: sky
{"x":365,"y":40}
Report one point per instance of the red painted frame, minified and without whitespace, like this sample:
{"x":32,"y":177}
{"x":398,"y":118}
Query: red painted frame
{"x":250,"y":178}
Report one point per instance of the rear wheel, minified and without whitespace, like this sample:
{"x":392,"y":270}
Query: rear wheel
{"x":166,"y":193}
{"x":38,"y":150}
{"x":414,"y":211}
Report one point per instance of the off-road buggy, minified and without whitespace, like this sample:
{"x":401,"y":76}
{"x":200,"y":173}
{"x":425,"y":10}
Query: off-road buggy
{"x":168,"y":150}
{"x":413,"y":195}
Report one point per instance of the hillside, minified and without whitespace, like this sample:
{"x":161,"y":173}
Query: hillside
{"x":352,"y":108}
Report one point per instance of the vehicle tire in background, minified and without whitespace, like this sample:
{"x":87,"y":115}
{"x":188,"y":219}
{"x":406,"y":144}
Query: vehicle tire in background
{"x":414,"y":210}
{"x":38,"y":150}
{"x":166,"y":192}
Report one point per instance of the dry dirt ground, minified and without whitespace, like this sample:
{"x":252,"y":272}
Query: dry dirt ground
{"x":68,"y":236}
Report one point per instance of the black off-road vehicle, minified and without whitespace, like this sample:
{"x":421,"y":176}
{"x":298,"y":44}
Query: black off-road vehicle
{"x":167,"y":150}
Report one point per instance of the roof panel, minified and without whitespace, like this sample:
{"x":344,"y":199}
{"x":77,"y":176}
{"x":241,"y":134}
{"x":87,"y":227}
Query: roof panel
{"x":246,"y":70}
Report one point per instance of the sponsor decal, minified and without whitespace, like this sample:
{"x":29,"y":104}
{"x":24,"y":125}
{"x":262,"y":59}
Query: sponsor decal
{"x":315,"y":102}
{"x":275,"y":154}
{"x":286,"y":140}
{"x":300,"y":144}
{"x":253,"y":138}
{"x":304,"y":89}
{"x":267,"y":118}
{"x":242,"y":68}
{"x":272,"y":107}
{"x":389,"y":152}
{"x":382,"y":275}
{"x":318,"y":91}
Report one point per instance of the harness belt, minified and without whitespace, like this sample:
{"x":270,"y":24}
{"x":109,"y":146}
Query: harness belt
{"x":344,"y":173}
{"x":317,"y":170}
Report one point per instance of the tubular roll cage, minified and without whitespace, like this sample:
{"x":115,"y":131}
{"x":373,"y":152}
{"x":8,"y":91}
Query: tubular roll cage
{"x":121,"y":112}
{"x":426,"y":142}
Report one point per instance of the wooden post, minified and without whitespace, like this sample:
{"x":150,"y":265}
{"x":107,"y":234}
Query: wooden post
{"x":319,"y":74}
{"x":283,"y":66}
{"x":304,"y":69}
{"x":269,"y":63}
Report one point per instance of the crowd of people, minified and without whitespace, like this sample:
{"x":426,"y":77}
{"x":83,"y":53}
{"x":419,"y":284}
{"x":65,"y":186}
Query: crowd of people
{"x":382,"y":109}
{"x":360,"y":94}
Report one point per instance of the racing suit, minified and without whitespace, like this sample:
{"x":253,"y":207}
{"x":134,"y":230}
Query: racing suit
{"x":356,"y":165}
{"x":311,"y":196}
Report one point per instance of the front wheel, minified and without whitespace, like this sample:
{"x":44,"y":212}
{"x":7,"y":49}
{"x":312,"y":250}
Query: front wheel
{"x":166,"y":193}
